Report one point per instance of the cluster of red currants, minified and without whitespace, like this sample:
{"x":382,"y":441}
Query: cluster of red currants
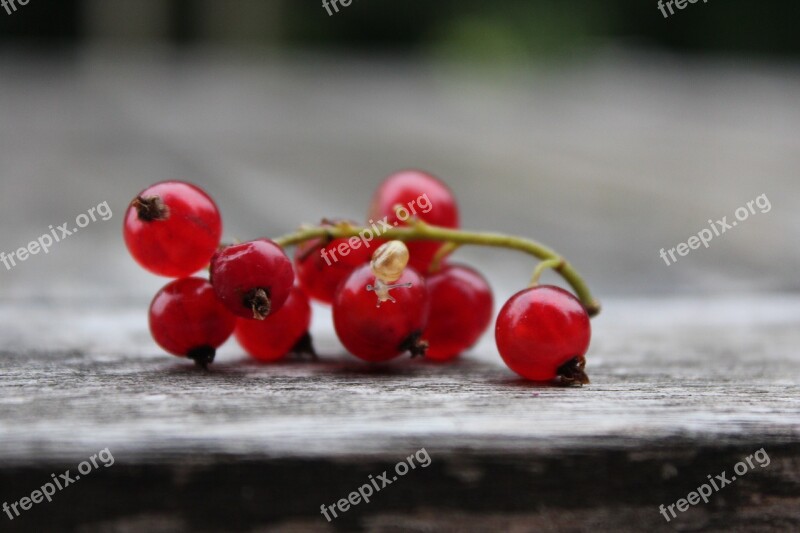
{"x":403,"y":297}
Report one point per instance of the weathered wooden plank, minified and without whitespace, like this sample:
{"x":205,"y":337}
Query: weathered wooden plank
{"x":721,"y":380}
{"x":668,"y":406}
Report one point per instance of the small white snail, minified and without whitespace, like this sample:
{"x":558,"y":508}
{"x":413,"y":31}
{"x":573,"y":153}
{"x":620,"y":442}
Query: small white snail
{"x":388,"y":263}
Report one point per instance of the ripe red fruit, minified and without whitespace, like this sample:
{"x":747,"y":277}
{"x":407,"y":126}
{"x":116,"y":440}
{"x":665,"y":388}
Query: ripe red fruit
{"x":273,"y":338}
{"x":320,"y":269}
{"x":461,"y":310}
{"x":422,"y":196}
{"x":252,"y":279}
{"x":172,"y":229}
{"x":381,"y":333}
{"x":186,"y":319}
{"x":542,"y":333}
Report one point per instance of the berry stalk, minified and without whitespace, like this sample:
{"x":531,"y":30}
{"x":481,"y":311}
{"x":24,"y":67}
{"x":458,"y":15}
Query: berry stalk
{"x":420,"y":231}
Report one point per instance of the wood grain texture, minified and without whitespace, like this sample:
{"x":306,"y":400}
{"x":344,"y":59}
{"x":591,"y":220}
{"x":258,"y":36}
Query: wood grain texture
{"x":246,"y":446}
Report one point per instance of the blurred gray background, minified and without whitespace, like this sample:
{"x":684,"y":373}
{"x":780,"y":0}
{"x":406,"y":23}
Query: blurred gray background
{"x":608,"y":159}
{"x":607,"y":137}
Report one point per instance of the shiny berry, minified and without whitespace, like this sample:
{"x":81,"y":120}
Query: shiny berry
{"x":172,"y":229}
{"x":422,"y":196}
{"x":322,"y":267}
{"x":253,"y":279}
{"x":379,"y":333}
{"x":186,"y":319}
{"x":461,"y":310}
{"x":277,"y":335}
{"x":543,"y":333}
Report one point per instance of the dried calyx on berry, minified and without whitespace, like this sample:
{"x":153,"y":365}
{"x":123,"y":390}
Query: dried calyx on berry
{"x":573,"y":372}
{"x":258,"y":301}
{"x":253,"y":279}
{"x":388,"y":263}
{"x":150,"y":208}
{"x":202,"y":356}
{"x":415,"y":345}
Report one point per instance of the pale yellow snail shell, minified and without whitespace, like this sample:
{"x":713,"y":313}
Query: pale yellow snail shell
{"x":389,"y":261}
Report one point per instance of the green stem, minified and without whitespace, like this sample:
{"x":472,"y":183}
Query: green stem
{"x":441,"y":254}
{"x":424,"y":232}
{"x":555,"y":264}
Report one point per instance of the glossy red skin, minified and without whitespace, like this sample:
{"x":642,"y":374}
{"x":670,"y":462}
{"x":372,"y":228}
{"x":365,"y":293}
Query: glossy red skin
{"x":184,"y":242}
{"x":405,"y":187}
{"x":541,"y":328}
{"x":186,"y":315}
{"x":272,"y":339}
{"x":320,"y":277}
{"x":461,"y":311}
{"x":241,"y":268}
{"x":376,"y":333}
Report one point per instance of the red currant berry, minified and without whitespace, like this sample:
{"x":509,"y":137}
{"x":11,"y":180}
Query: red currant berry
{"x":422,"y":196}
{"x":322,"y":267}
{"x":461,"y":310}
{"x":277,"y":335}
{"x":253,"y":279}
{"x":543,"y":333}
{"x":381,"y":333}
{"x":186,"y":319}
{"x":172,"y":229}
